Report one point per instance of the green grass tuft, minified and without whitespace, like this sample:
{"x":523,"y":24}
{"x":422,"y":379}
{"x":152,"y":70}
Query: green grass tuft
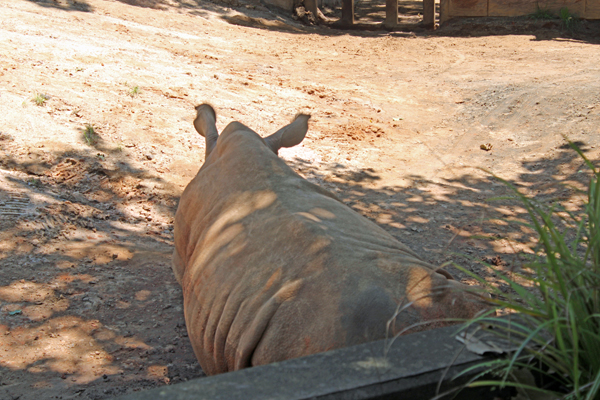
{"x":134,"y":91}
{"x":90,"y":135}
{"x":40,"y":98}
{"x":569,"y":21}
{"x":556,"y":301}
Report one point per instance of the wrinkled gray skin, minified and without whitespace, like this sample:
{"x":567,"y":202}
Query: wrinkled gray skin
{"x":274,"y":267}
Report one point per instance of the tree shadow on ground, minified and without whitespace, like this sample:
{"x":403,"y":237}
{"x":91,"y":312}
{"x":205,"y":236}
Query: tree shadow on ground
{"x":472,"y":219}
{"x":254,"y":14}
{"x":88,"y":302}
{"x":66,"y":5}
{"x":369,"y":14}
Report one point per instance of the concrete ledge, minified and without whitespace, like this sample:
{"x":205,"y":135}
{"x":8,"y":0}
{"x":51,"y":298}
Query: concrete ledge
{"x":411,"y":369}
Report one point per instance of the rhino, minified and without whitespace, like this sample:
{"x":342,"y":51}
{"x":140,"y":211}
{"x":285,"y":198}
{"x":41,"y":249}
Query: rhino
{"x":274,"y":267}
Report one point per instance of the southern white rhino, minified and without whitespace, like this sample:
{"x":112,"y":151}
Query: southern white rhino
{"x":274,"y":267}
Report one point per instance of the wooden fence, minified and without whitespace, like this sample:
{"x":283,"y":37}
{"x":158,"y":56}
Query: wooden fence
{"x":587,"y":9}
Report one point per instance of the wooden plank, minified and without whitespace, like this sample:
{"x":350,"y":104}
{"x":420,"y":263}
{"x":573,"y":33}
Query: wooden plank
{"x":514,"y":8}
{"x":444,"y":11}
{"x":588,"y":9}
{"x":428,"y":13}
{"x":347,"y":12}
{"x":468,"y":8}
{"x":311,"y":5}
{"x":391,"y":13}
{"x":592,"y":9}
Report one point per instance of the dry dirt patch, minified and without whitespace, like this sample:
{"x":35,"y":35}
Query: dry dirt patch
{"x":88,"y":305}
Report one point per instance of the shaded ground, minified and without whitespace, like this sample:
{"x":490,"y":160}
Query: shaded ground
{"x":89,"y":179}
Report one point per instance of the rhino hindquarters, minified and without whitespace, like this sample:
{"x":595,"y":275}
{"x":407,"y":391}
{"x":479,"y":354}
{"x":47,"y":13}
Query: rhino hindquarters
{"x":252,"y":337}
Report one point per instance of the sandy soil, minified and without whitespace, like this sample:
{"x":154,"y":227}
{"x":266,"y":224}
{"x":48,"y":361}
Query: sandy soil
{"x":90,"y":177}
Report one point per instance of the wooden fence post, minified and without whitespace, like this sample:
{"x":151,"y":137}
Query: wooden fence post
{"x":312,"y":6}
{"x":429,"y":13}
{"x":391,"y":13}
{"x":348,"y":12}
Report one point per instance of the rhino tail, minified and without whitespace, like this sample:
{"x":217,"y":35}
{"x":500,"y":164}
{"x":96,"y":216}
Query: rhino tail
{"x":252,"y":337}
{"x":290,"y":135}
{"x":206,"y":125}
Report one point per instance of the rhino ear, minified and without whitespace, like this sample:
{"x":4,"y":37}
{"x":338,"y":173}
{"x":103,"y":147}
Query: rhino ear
{"x":290,"y":135}
{"x":205,"y":124}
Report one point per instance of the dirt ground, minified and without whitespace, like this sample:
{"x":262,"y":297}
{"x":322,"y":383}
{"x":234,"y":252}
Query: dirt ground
{"x":90,"y":174}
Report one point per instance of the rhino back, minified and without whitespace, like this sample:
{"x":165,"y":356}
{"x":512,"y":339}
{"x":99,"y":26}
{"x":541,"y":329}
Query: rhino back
{"x":276,"y":267}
